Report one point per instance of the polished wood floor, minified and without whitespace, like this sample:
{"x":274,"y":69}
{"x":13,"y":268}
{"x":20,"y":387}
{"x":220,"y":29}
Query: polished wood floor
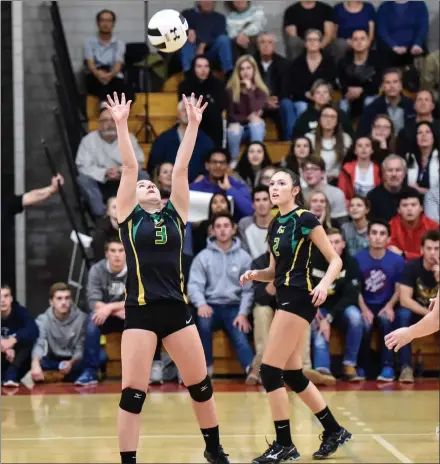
{"x":54,"y":425}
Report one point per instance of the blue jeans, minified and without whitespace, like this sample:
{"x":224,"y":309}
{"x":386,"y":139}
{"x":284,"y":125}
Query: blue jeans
{"x":351,"y":321}
{"x":92,"y":193}
{"x":221,"y":48}
{"x":404,"y":318}
{"x":222,"y":318}
{"x":290,"y":111}
{"x":250,"y":132}
{"x":51,"y":363}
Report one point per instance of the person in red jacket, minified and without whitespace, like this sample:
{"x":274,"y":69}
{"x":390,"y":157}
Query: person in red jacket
{"x":408,"y":227}
{"x":359,"y":174}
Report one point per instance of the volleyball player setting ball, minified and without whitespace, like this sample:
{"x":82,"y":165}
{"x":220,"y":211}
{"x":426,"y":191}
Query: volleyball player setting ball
{"x":293,"y":234}
{"x":155,"y":304}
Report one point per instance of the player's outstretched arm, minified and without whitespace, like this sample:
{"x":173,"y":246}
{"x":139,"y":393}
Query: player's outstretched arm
{"x":126,"y":197}
{"x":426,"y":326}
{"x":179,"y":183}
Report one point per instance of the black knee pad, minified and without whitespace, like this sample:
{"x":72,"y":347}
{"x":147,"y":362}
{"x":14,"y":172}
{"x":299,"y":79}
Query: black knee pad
{"x":296,"y":380}
{"x":132,"y":400}
{"x":272,"y":377}
{"x":202,"y":391}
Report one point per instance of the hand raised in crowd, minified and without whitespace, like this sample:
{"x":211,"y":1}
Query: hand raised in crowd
{"x":224,"y":183}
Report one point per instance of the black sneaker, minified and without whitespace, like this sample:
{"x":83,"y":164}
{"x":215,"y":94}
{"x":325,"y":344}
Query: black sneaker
{"x":278,"y":453}
{"x":220,"y":457}
{"x":331,"y":441}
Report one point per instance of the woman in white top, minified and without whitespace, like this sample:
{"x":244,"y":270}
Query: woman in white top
{"x":423,"y":164}
{"x":329,"y":141}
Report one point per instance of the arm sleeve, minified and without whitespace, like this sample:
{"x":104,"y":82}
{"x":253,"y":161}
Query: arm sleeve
{"x":382,"y":25}
{"x":197,"y":282}
{"x":247,"y":296}
{"x":257,"y":100}
{"x":28,"y":333}
{"x":351,"y":288}
{"x":86,"y":163}
{"x":431,"y":206}
{"x":408,"y":277}
{"x":79,"y":347}
{"x":94,"y":288}
{"x":258,"y":23}
{"x":40,"y":347}
{"x":242,"y":226}
{"x":422,"y":25}
{"x":120,"y":51}
{"x":242,"y":200}
{"x":339,"y":205}
{"x":308,"y":222}
{"x":88,"y":49}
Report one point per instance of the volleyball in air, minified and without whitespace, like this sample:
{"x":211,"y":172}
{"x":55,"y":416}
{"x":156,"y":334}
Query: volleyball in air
{"x":168,"y":31}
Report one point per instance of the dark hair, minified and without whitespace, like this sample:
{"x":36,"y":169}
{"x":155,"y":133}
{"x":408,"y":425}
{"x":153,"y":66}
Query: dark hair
{"x":338,"y":134}
{"x":98,"y":16}
{"x":364,"y":200}
{"x":244,"y":167}
{"x":425,"y":89}
{"x":380,"y":222}
{"x":114,"y":239}
{"x":58,"y":287}
{"x":6,"y":287}
{"x":258,"y":189}
{"x":335,"y":230}
{"x":231,"y":7}
{"x":164,"y":193}
{"x":351,"y":152}
{"x":299,"y":200}
{"x":291,"y":160}
{"x":409,"y":192}
{"x":222,"y":214}
{"x":433,"y":235}
{"x":416,"y":150}
{"x":218,"y":150}
{"x":219,"y":194}
{"x":316,"y":161}
{"x":391,"y":140}
{"x":392,"y":70}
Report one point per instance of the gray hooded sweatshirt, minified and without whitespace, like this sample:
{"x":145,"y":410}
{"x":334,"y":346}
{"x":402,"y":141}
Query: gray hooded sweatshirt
{"x":61,"y":339}
{"x":214,"y":277}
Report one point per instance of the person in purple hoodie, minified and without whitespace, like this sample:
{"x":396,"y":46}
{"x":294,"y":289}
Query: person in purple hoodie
{"x":218,"y":181}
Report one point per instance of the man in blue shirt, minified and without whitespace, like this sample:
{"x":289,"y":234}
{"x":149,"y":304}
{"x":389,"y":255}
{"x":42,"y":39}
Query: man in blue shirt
{"x":206,"y":36}
{"x":380,"y":272}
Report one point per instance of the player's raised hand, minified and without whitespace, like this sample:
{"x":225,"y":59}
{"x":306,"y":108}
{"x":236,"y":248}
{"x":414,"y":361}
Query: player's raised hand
{"x":119,"y":111}
{"x":194,"y":110}
{"x":248,"y":276}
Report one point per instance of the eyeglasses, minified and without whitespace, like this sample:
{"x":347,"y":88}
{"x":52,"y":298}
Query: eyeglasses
{"x":219,"y":162}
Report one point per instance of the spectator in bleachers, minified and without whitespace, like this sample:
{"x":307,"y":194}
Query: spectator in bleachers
{"x":318,"y":203}
{"x":301,"y":17}
{"x":200,"y":80}
{"x":104,"y":55}
{"x":307,"y":68}
{"x":206,"y":36}
{"x":423,"y":161}
{"x":431,"y":204}
{"x":215,"y":291}
{"x":424,"y":106}
{"x":218,"y":181}
{"x":356,"y":230}
{"x":266,"y":175}
{"x":348,"y":18}
{"x":359,"y":174}
{"x":398,"y":107}
{"x":330,"y":142}
{"x":384,"y":199}
{"x":300,"y":150}
{"x":105,"y":300}
{"x":60,"y":344}
{"x":380,"y":273}
{"x":409,"y":226}
{"x":314,"y":174}
{"x":106,"y":228}
{"x":252,"y":161}
{"x":165,"y":146}
{"x":272,"y":67}
{"x":402,"y":31}
{"x":253,"y":229}
{"x":418,"y":285}
{"x":244,"y":23}
{"x":18,"y":335}
{"x":202,"y":231}
{"x":247,"y":95}
{"x":340,"y":310}
{"x":359,"y":74}
{"x":431,"y":74}
{"x":162,"y":176}
{"x":99,"y":163}
{"x":320,"y":96}
{"x":384,"y":138}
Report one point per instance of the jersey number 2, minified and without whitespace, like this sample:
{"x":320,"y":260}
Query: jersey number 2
{"x":276,"y":243}
{"x":161,"y":235}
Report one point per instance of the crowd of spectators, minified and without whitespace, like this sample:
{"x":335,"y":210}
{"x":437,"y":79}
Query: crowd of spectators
{"x":369,"y":167}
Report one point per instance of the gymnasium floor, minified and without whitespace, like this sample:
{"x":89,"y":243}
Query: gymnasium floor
{"x":61,"y":423}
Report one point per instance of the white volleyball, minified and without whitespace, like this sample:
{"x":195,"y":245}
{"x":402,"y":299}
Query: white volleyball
{"x":168,"y":31}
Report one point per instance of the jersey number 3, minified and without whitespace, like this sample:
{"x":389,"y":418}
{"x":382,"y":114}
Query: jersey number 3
{"x":161,"y":235}
{"x":276,"y":243}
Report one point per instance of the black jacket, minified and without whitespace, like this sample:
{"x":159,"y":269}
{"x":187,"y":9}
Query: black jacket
{"x":261,"y":297}
{"x":274,"y":76}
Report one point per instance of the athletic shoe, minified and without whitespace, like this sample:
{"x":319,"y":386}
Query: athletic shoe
{"x":10,"y":383}
{"x":386,"y":374}
{"x":331,"y":441}
{"x":220,"y":457}
{"x":278,"y":453}
{"x":352,"y":374}
{"x":156,"y":374}
{"x":319,"y":376}
{"x":88,"y":377}
{"x":407,"y":375}
{"x":361,"y":375}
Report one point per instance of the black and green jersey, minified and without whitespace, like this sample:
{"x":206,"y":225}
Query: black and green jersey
{"x":292,"y":249}
{"x":153,"y":245}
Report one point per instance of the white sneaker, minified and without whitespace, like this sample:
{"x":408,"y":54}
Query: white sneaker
{"x":156,"y":374}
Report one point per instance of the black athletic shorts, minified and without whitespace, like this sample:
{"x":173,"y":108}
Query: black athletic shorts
{"x":162,"y":317}
{"x":296,"y":301}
